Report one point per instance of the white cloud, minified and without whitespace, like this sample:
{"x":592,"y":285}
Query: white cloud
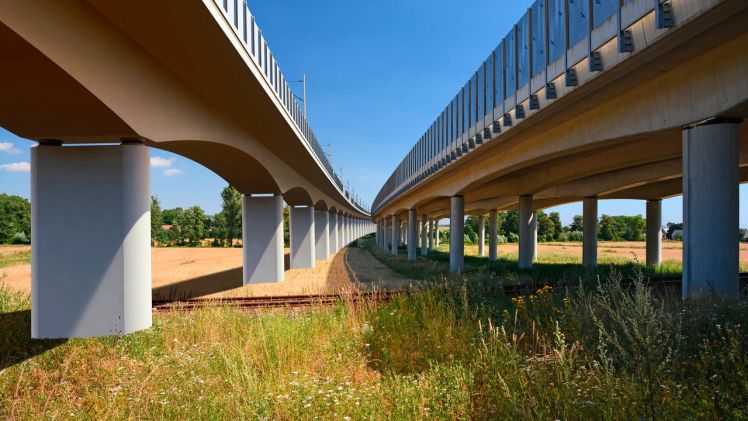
{"x":173,"y":171}
{"x":161,"y":162}
{"x":16,"y":167}
{"x":7,"y":147}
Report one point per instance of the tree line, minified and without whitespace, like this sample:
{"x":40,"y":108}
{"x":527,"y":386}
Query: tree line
{"x":192,"y":227}
{"x":550,"y":228}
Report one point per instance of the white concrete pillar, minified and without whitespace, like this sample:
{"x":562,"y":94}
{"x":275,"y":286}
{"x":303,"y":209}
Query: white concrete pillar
{"x":333,"y":234}
{"x":302,"y":237}
{"x":424,"y":234}
{"x":395,"y":239}
{"x":481,"y":236}
{"x":348,"y":236}
{"x":493,"y":232}
{"x":403,"y":230}
{"x":431,"y":235}
{"x":710,"y":209}
{"x":436,"y":233}
{"x":457,"y":234}
{"x":589,"y":228}
{"x":262,"y":233}
{"x":654,"y":233}
{"x":90,"y":218}
{"x":412,"y":235}
{"x":527,"y":232}
{"x":322,"y":235}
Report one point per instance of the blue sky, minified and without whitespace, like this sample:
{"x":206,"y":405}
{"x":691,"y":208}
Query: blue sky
{"x":378,"y":74}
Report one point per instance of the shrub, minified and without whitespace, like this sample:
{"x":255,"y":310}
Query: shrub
{"x":20,"y":238}
{"x":501,"y":239}
{"x":513,"y":238}
{"x":576,"y":236}
{"x":562,"y":237}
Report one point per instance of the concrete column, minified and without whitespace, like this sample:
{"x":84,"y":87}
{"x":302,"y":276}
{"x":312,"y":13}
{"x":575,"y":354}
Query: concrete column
{"x":431,"y":235}
{"x":302,"y":237}
{"x":493,"y":235}
{"x":710,"y":209}
{"x":395,"y":243}
{"x":262,"y":231}
{"x":333,"y":234}
{"x":457,"y":234}
{"x":527,"y":232}
{"x":403,"y":230}
{"x":589,"y":228}
{"x":412,"y":235}
{"x":322,"y":235}
{"x":424,"y":234}
{"x":654,"y":233}
{"x":90,"y":218}
{"x":482,"y":236}
{"x":387,"y":234}
{"x":436,"y":233}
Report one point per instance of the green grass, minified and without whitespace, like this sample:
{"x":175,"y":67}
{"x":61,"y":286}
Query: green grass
{"x":459,"y":350}
{"x":15,"y":258}
{"x":550,"y":268}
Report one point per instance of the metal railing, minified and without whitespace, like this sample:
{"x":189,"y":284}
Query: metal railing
{"x":540,"y":53}
{"x":245,"y":26}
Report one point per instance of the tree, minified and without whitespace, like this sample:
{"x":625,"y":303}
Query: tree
{"x":558,"y":228}
{"x":286,"y":227}
{"x":15,"y":218}
{"x":546,"y":227}
{"x":171,"y":216}
{"x":510,"y":223}
{"x":192,"y":226}
{"x":231,"y":209}
{"x":577,"y":224}
{"x":157,"y":220}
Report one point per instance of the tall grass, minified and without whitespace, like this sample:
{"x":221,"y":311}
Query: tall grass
{"x":457,"y":350}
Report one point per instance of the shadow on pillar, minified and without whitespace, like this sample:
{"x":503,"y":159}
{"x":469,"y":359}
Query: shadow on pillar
{"x":16,"y":344}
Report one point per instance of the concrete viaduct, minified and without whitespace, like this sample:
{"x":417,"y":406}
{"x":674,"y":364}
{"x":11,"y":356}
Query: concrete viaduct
{"x":97,"y":82}
{"x":588,"y":100}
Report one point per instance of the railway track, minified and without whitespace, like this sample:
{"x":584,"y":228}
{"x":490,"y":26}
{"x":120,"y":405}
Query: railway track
{"x":316,"y":300}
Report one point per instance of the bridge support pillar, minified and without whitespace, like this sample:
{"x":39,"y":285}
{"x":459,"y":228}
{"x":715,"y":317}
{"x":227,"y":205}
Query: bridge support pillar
{"x":654,"y":233}
{"x":333,"y":234}
{"x":457,"y":234}
{"x":262,"y":229}
{"x":493,"y":233}
{"x":395,"y":239}
{"x":528,"y":234}
{"x":710,"y":209}
{"x":91,"y":266}
{"x":482,"y":236}
{"x":431,"y":235}
{"x":412,"y":234}
{"x":322,"y":235}
{"x":589,"y":228}
{"x":424,"y":234}
{"x":302,"y":237}
{"x":436,"y":233}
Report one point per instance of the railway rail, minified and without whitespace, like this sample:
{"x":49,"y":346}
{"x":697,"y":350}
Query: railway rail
{"x":316,"y":300}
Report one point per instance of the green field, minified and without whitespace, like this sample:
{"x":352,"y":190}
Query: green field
{"x":458,"y":350}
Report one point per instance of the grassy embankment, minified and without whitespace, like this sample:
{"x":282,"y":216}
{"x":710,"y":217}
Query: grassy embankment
{"x":458,"y":350}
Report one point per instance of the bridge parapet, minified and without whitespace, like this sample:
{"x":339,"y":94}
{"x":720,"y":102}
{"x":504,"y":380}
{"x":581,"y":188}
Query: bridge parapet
{"x":555,"y":48}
